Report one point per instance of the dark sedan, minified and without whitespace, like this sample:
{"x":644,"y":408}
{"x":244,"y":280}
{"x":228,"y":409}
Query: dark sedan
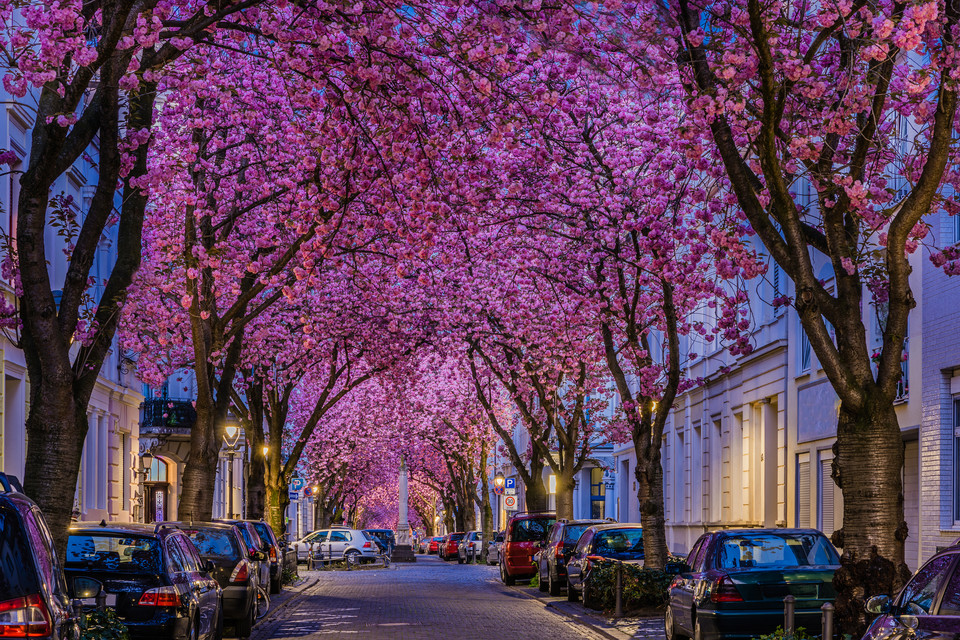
{"x":927,"y":608}
{"x":556,"y":551}
{"x":221,"y":544}
{"x":599,"y":544}
{"x":153,"y":577}
{"x":734,"y":583}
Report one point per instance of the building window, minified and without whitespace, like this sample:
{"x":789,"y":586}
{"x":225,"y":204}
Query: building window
{"x":825,"y":520}
{"x":597,"y":493}
{"x":158,"y":471}
{"x":803,"y":362}
{"x":956,"y":459}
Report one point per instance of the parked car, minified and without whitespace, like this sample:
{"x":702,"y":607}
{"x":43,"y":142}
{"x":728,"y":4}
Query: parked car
{"x":928,"y":606}
{"x":493,"y":548}
{"x":450,"y":545}
{"x":734,"y":582}
{"x":34,"y":598}
{"x":524,"y":533}
{"x":385,"y":536}
{"x":221,"y":544}
{"x":153,"y":577}
{"x":273,"y":549}
{"x":258,"y":551}
{"x":599,"y":543}
{"x":339,"y":543}
{"x":434,"y":545}
{"x":423,"y":545}
{"x":470,"y":547}
{"x":556,"y":551}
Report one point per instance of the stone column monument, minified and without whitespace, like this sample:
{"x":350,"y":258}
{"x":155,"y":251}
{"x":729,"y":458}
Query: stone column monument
{"x":403,"y":552}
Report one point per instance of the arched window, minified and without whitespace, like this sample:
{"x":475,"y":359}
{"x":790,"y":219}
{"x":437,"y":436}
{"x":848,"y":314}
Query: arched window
{"x":158,"y":471}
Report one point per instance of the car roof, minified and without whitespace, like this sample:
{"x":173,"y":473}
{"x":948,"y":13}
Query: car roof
{"x":199,"y":525}
{"x":529,"y":515}
{"x":123,"y":528}
{"x":616,"y":525}
{"x":774,"y":531}
{"x":597,"y":521}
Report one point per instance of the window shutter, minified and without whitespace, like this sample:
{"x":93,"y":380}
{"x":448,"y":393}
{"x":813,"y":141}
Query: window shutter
{"x":803,"y":491}
{"x":826,"y":498}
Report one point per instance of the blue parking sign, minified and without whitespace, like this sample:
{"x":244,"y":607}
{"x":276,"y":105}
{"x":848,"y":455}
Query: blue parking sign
{"x":511,"y":483}
{"x":296,"y":484}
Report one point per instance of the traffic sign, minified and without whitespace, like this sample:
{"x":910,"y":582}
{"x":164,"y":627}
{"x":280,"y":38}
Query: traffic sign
{"x":511,"y":492}
{"x":297,"y":483}
{"x":511,"y":483}
{"x":293,"y":495}
{"x":497,"y":490}
{"x":510,"y":503}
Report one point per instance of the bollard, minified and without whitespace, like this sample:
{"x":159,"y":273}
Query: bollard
{"x":102,"y":601}
{"x":788,"y":609}
{"x":329,"y":563}
{"x":827,"y":621}
{"x":618,"y":612}
{"x":310,"y":558}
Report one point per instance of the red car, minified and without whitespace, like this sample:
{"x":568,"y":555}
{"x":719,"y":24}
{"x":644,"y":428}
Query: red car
{"x":524,"y":535}
{"x":450,"y":545}
{"x":433,"y":546}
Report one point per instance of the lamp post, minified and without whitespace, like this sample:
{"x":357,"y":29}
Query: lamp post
{"x":498,"y":482}
{"x":231,"y":436}
{"x":146,"y":461}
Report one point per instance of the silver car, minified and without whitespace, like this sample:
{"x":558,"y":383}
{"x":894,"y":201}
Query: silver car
{"x":337,"y":543}
{"x":493,"y":548}
{"x":470,"y":549}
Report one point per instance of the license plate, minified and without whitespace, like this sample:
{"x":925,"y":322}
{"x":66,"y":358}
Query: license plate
{"x":92,"y":602}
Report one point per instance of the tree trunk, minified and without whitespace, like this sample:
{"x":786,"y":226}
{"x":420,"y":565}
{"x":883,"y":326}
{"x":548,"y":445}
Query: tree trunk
{"x":56,"y":429}
{"x":276,"y":510}
{"x":199,"y":479}
{"x":534,"y":491}
{"x":869,"y":458}
{"x":649,"y":474}
{"x":565,"y":496}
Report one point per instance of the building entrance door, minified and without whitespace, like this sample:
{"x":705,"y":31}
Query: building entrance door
{"x":156,"y":510}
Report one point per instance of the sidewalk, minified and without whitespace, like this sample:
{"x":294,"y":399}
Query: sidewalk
{"x":638,"y":628}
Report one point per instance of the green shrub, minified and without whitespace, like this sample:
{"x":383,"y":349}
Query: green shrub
{"x":102,"y":625}
{"x":289,"y":576}
{"x":642,"y":588}
{"x":780,"y":634}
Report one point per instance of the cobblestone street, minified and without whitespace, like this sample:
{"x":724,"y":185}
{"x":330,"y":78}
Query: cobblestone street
{"x":432,"y":600}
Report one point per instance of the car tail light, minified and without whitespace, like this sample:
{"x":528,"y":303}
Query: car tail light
{"x":367,"y":545}
{"x":241,"y":572}
{"x":725,"y":591}
{"x":160,"y":597}
{"x":273,"y":554}
{"x":25,"y":617}
{"x":676,"y":582}
{"x":559,"y":551}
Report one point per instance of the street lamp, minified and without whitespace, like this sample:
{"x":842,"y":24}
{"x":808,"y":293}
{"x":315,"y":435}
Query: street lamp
{"x":231,"y":436}
{"x":146,"y":461}
{"x":266,"y":450}
{"x":499,"y":481}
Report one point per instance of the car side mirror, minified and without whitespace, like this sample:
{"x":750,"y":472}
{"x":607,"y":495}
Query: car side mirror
{"x":259,"y":555}
{"x":878,"y":604}
{"x":909,"y":621}
{"x":208,"y":566}
{"x":84,"y":587}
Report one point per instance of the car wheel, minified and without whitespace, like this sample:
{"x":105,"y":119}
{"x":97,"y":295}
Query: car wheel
{"x":588,"y":597}
{"x":275,"y":586}
{"x":459,"y":559}
{"x":352,"y":556}
{"x":194,"y":630}
{"x":572,"y":595}
{"x":505,"y":577}
{"x":244,"y":627}
{"x":668,"y":624}
{"x":553,"y":586}
{"x":541,"y":581}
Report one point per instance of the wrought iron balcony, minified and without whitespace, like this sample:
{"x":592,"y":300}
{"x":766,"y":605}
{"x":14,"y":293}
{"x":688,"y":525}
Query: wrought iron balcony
{"x":166,"y":416}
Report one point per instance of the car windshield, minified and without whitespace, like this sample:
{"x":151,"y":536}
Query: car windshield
{"x":264,"y":532}
{"x":571,"y":533}
{"x":128,"y":554}
{"x":18,"y":577}
{"x":531,"y":529}
{"x":624,"y":544}
{"x":217,"y":544}
{"x":776,"y":550}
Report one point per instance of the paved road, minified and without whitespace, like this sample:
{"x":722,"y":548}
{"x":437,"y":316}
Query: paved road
{"x":429,"y":600}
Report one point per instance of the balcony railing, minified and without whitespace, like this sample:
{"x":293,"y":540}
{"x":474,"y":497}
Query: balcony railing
{"x":163,"y":415}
